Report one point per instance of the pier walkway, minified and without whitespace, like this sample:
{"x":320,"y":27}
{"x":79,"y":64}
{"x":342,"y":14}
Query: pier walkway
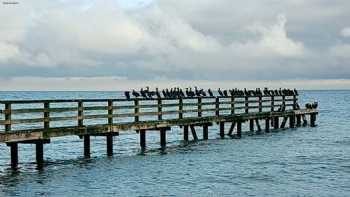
{"x":36,"y":121}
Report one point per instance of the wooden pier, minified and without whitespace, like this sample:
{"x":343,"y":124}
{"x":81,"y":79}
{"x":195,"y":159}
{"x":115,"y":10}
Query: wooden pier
{"x":37,"y":121}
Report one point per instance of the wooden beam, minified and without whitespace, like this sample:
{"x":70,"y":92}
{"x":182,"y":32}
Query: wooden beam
{"x":222,"y":130}
{"x":194,"y":134}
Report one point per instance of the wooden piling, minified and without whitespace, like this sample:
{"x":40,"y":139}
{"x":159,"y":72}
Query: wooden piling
{"x":251,"y":124}
{"x":39,"y":153}
{"x":194,"y":134}
{"x":205,"y":132}
{"x":312,"y":120}
{"x":276,"y":122}
{"x":14,"y":154}
{"x":239,"y":129}
{"x":109,"y":139}
{"x":267,"y":125}
{"x":298,"y":120}
{"x":231,"y":129}
{"x":86,"y":146}
{"x":257,"y":125}
{"x":222,"y":130}
{"x":186,"y":133}
{"x":292,"y":121}
{"x":162,"y":138}
{"x":284,"y":122}
{"x":143,"y":139}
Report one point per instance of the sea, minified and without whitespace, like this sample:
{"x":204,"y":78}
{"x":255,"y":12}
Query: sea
{"x":304,"y":161}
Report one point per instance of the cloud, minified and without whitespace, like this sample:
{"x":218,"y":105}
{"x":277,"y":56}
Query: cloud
{"x":176,"y":40}
{"x":345,"y":32}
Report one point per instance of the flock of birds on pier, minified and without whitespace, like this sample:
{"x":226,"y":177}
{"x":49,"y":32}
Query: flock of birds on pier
{"x":177,"y":92}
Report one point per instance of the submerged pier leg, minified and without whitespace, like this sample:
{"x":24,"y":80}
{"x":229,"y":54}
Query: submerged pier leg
{"x":292,"y":121}
{"x":109,"y":139}
{"x":194,"y":134}
{"x":163,"y":138}
{"x":258,"y":125}
{"x":205,"y":132}
{"x":313,"y":120}
{"x":267,"y":125}
{"x":239,"y":129}
{"x":143,"y":139}
{"x":251,"y":124}
{"x":298,"y":120}
{"x":86,"y":146}
{"x":14,"y":154}
{"x":39,"y":153}
{"x":222,"y":130}
{"x":276,"y":122}
{"x":186,"y":133}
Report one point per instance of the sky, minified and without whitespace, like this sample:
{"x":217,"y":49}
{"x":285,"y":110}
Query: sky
{"x":123,"y":44}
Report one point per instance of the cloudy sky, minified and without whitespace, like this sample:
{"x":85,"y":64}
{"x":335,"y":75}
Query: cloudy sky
{"x":119,"y":44}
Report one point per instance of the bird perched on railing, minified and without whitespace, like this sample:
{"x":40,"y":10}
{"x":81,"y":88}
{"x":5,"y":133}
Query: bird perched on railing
{"x":127,"y":95}
{"x":135,"y":93}
{"x":220,"y":92}
{"x":210,"y":92}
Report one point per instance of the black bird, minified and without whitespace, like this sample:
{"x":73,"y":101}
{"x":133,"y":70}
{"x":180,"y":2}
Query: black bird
{"x":210,"y":92}
{"x":135,"y":94}
{"x":220,"y":92}
{"x":127,"y":95}
{"x":143,"y":93}
{"x":225,"y":92}
{"x":296,"y":92}
{"x":314,"y":105}
{"x":157,"y":93}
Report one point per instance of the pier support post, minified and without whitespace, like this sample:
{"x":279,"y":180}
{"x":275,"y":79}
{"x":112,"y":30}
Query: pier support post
{"x":298,"y":120}
{"x":186,"y":133}
{"x":86,"y":146}
{"x":313,"y":120}
{"x":239,"y":129}
{"x":251,"y":124}
{"x":143,"y":139}
{"x":163,"y":138}
{"x":14,"y":154}
{"x":276,"y":122}
{"x":39,"y":153}
{"x":222,"y":130}
{"x":304,"y":120}
{"x":258,"y":125}
{"x":292,"y":121}
{"x":109,"y":139}
{"x":194,"y":134}
{"x":267,"y":125}
{"x":205,"y":132}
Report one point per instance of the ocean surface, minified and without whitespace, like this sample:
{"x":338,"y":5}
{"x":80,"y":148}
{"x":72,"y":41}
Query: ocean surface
{"x":293,"y":162}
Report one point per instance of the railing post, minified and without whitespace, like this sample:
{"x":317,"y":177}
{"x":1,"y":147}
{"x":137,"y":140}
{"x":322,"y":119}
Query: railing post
{"x":46,"y":115}
{"x":7,"y":117}
{"x":199,"y":104}
{"x":246,"y":104}
{"x":180,"y":108}
{"x":272,"y":103}
{"x":160,"y":109}
{"x":110,"y":112}
{"x":260,"y":104}
{"x":232,"y":105}
{"x":136,"y":110}
{"x":80,"y":114}
{"x":217,"y":106}
{"x":283,"y":100}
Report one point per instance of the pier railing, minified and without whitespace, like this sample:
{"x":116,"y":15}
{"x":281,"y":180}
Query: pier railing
{"x":22,"y":115}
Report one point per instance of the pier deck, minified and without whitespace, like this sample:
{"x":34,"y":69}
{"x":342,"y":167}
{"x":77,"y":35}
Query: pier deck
{"x":36,"y":121}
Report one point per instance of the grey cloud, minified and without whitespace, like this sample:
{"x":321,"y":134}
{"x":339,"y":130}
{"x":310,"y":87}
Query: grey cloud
{"x":174,"y":39}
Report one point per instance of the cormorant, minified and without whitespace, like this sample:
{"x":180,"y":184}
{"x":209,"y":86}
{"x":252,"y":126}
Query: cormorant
{"x":220,"y":92}
{"x":135,"y":94}
{"x":127,"y":95}
{"x":210,"y":92}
